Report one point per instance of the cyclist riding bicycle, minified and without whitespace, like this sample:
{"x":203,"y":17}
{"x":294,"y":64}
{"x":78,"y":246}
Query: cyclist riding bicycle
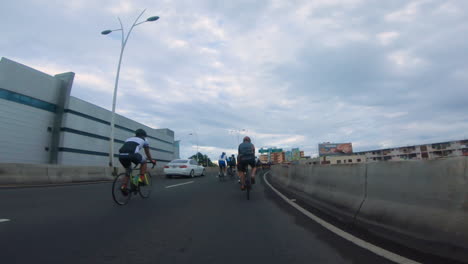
{"x":222,"y":162}
{"x":232,"y":164}
{"x":129,"y":153}
{"x":258,"y":163}
{"x":232,"y":161}
{"x":246,"y":157}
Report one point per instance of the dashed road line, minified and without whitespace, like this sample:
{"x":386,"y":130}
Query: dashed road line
{"x":4,"y":220}
{"x":357,"y":241}
{"x":175,"y":185}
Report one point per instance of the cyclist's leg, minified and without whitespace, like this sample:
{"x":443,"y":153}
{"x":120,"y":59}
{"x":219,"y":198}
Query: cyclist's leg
{"x":138,"y":159}
{"x":143,"y":167}
{"x":241,"y":169}
{"x":252,"y":171}
{"x":127,"y":164}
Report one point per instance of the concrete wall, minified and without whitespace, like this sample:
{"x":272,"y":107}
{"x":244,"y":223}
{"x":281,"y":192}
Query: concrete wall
{"x":33,"y":174}
{"x":420,"y":204}
{"x":20,"y":174}
{"x":43,"y":124}
{"x":86,"y":129}
{"x":25,"y":80}
{"x":24,"y":134}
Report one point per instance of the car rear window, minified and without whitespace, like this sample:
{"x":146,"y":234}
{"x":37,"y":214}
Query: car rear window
{"x":179,"y":161}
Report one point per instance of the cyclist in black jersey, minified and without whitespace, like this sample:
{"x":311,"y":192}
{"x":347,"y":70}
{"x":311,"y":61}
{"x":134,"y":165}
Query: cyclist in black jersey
{"x":129,"y":153}
{"x":232,"y":164}
{"x":246,"y":157}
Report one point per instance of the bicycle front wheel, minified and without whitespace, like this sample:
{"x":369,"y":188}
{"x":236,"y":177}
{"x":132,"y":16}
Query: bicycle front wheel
{"x":120,"y":196}
{"x":147,"y":186}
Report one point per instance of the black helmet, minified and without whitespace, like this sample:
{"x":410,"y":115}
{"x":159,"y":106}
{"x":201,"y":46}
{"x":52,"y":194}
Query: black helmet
{"x":140,"y":133}
{"x":246,"y":138}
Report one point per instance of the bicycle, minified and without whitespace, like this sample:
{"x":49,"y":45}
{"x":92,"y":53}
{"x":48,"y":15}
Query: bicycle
{"x":231,"y":172}
{"x":221,"y":175}
{"x":144,"y":187}
{"x":248,"y":183}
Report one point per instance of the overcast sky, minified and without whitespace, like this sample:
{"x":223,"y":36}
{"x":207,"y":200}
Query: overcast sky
{"x":291,"y":73}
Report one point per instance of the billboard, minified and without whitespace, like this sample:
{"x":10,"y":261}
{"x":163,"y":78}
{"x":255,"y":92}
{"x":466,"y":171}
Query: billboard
{"x":270,"y":150}
{"x":330,"y":149}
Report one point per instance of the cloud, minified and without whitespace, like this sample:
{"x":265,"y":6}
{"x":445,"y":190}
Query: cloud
{"x":404,"y":59}
{"x":122,"y":8}
{"x":386,"y":38}
{"x":406,"y":14}
{"x":293,"y":73}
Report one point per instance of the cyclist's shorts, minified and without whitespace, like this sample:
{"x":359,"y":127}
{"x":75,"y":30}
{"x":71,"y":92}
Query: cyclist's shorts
{"x":222,"y":163}
{"x":126,"y":159}
{"x":244,"y":163}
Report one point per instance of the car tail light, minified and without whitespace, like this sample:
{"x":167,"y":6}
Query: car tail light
{"x":183,"y":166}
{"x":166,"y":167}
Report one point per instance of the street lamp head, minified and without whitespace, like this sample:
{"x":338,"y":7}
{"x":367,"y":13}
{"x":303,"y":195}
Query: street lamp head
{"x":105,"y":32}
{"x":153,"y":18}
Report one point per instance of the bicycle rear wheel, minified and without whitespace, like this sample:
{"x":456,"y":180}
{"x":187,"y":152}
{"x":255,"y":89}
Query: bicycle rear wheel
{"x":247,"y":183}
{"x":147,"y":186}
{"x":121,"y":197}
{"x":221,"y":176}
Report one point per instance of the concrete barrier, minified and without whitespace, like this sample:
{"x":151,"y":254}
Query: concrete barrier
{"x":34,"y":174}
{"x":338,"y":190}
{"x":420,"y":204}
{"x":19,"y":173}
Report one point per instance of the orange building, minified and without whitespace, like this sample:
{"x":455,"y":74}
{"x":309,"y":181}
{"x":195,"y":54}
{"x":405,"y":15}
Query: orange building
{"x":277,"y":157}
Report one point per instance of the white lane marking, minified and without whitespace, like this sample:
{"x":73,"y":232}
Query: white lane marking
{"x":357,"y":241}
{"x":4,"y":220}
{"x":175,"y":185}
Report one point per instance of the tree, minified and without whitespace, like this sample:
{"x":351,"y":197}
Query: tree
{"x":203,"y":160}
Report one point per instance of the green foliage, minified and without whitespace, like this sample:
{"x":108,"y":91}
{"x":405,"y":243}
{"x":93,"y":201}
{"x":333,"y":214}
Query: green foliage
{"x":203,"y":160}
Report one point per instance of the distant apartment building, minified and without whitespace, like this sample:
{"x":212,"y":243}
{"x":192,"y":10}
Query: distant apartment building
{"x":277,"y":157}
{"x":418,"y":152}
{"x":345,"y":159}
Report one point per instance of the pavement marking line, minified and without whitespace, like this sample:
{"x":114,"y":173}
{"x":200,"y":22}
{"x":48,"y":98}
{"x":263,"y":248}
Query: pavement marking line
{"x":4,"y":220}
{"x":357,"y":241}
{"x":175,"y":185}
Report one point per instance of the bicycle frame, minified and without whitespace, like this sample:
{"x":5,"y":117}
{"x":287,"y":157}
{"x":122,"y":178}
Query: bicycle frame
{"x":135,"y":186}
{"x":134,"y":178}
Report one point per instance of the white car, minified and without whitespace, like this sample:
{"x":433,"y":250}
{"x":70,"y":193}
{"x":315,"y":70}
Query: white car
{"x":183,"y":167}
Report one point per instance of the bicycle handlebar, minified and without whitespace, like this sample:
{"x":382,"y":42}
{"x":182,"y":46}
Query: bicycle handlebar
{"x":147,"y":161}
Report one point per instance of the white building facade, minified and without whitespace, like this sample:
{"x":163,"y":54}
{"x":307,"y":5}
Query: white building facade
{"x":419,"y":152}
{"x":42,"y":124}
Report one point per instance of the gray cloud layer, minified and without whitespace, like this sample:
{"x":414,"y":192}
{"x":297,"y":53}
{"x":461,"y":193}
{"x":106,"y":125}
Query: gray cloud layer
{"x":292,"y":73}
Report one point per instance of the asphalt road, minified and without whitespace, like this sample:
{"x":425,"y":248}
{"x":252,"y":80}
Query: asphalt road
{"x":206,"y":221}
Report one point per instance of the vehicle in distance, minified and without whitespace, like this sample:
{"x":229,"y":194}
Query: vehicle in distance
{"x":183,"y":167}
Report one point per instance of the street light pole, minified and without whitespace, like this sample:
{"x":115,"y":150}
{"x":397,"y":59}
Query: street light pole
{"x":238,"y":133}
{"x":114,"y":99}
{"x":196,"y":134}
